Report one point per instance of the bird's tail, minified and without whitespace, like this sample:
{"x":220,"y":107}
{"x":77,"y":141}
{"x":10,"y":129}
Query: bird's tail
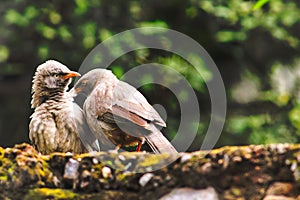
{"x":158,"y":143}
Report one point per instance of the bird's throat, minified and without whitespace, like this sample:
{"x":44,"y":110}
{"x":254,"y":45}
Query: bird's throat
{"x":40,"y":97}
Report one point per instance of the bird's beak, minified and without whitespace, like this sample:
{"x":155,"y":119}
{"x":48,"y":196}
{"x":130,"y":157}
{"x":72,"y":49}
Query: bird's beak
{"x":70,"y":75}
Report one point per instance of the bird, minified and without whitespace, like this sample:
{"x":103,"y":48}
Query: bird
{"x":57,"y":123}
{"x":119,"y":114}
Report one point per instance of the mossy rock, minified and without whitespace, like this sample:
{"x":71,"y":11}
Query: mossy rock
{"x":247,"y":172}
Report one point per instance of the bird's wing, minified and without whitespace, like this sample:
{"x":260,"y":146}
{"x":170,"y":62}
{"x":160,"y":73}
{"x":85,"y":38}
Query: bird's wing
{"x":98,"y":127}
{"x":89,"y":140}
{"x":117,"y":106}
{"x":129,"y":101}
{"x":104,"y":112}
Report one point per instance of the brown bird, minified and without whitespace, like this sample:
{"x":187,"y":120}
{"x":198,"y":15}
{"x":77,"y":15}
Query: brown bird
{"x":57,"y":124}
{"x":119,"y":114}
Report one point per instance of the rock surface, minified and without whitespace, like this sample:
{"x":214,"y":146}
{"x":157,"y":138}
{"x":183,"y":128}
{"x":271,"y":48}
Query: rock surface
{"x":248,"y":172}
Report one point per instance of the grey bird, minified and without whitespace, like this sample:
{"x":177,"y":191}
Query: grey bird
{"x":118,"y":114}
{"x":57,"y":124}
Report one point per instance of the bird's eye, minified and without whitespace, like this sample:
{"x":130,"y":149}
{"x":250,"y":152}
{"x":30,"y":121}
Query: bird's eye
{"x":56,"y":75}
{"x":84,"y":82}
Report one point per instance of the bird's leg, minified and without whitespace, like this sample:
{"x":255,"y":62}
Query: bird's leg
{"x":118,"y":147}
{"x":138,"y":149}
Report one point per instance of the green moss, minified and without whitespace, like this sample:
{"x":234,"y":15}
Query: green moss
{"x":227,"y":149}
{"x":152,"y":160}
{"x":122,"y":176}
{"x":48,"y":193}
{"x":7,"y":167}
{"x":3,"y":178}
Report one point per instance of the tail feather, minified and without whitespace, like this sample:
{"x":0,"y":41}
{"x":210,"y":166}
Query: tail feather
{"x":158,"y":143}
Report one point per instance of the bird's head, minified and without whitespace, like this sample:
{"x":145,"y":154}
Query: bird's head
{"x":50,"y":78}
{"x":89,"y":81}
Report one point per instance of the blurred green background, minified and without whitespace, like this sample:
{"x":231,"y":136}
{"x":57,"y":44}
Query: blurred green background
{"x":255,"y":45}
